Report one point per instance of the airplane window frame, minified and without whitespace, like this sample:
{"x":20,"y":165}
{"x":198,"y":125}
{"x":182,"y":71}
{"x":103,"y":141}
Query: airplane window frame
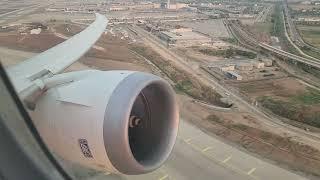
{"x":15,"y":163}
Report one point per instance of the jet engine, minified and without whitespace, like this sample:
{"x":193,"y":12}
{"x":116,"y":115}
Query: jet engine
{"x":118,"y":121}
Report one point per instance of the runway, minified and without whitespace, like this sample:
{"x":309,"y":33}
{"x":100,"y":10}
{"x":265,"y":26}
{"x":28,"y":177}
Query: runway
{"x":198,"y":155}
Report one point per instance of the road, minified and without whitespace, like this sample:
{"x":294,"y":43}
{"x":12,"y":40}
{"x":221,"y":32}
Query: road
{"x":262,"y":16}
{"x":238,"y":32}
{"x":292,"y":43}
{"x":268,"y":120}
{"x":198,"y":155}
{"x":293,"y":32}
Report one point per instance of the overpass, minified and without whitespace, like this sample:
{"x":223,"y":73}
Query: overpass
{"x":247,"y":40}
{"x":285,"y":54}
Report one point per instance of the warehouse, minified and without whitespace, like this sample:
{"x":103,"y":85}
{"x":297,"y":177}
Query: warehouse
{"x":233,"y":75}
{"x":244,"y":66}
{"x":184,"y":37}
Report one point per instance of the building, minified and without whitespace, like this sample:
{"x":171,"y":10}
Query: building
{"x":306,"y":2}
{"x":267,"y":62}
{"x":184,"y":38}
{"x":258,"y":65}
{"x":181,"y":30}
{"x":233,"y":75}
{"x":35,"y":31}
{"x":118,"y":8}
{"x":176,"y":6}
{"x":244,"y":66}
{"x":140,"y":6}
{"x":227,"y":67}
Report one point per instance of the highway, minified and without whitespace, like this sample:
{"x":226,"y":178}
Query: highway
{"x":293,"y":32}
{"x":285,"y":54}
{"x":262,"y":16}
{"x":238,"y":32}
{"x":269,"y":120}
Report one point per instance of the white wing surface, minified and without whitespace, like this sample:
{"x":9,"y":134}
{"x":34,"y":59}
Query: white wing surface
{"x":56,"y":59}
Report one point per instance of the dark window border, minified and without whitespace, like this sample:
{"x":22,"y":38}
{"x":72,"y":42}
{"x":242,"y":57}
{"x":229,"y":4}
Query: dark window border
{"x":13,"y":148}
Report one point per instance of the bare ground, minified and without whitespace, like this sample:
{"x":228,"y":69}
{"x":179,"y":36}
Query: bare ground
{"x":282,"y":88}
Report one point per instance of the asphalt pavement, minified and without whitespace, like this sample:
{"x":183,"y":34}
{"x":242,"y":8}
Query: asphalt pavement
{"x":198,"y":155}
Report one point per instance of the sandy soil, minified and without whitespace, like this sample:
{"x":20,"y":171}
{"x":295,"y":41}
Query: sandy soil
{"x":284,"y":87}
{"x":106,"y":64}
{"x":199,"y":57}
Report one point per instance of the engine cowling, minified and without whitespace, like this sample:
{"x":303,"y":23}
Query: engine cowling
{"x":117,"y":121}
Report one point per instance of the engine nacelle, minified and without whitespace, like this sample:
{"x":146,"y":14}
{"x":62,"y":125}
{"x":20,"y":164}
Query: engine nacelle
{"x":117,"y":121}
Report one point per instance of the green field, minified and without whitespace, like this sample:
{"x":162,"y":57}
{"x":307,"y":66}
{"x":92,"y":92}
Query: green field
{"x":310,"y":97}
{"x":279,"y":31}
{"x":311,"y":34}
{"x":226,"y":53}
{"x":265,"y":27}
{"x":303,"y":107}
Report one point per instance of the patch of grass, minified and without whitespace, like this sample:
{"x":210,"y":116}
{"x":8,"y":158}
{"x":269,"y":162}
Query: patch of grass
{"x":241,"y":127}
{"x":265,"y":27}
{"x":227,"y":53}
{"x":310,"y":52}
{"x":266,"y":135}
{"x":309,"y":69}
{"x":184,"y":85}
{"x":278,"y":29}
{"x":277,"y":20}
{"x":293,"y":110}
{"x":214,"y":118}
{"x":230,"y":40}
{"x":309,"y":98}
{"x":310,"y":35}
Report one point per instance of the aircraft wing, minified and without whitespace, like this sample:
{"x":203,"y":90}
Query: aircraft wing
{"x":56,"y":59}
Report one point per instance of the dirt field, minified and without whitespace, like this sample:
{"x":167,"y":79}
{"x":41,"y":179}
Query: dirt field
{"x":300,"y":6}
{"x":286,"y":97}
{"x":196,"y":55}
{"x":2,"y":11}
{"x":67,"y":29}
{"x":260,"y":31}
{"x":280,"y":88}
{"x":29,"y":42}
{"x":214,"y":27}
{"x":114,"y":48}
{"x":105,"y":64}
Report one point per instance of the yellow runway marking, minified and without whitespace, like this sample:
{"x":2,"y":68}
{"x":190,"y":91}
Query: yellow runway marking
{"x":251,"y":171}
{"x":222,"y":163}
{"x":163,"y":177}
{"x":206,"y":149}
{"x":227,"y":159}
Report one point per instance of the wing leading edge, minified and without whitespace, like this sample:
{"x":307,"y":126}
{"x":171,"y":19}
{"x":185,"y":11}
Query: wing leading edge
{"x":56,"y":59}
